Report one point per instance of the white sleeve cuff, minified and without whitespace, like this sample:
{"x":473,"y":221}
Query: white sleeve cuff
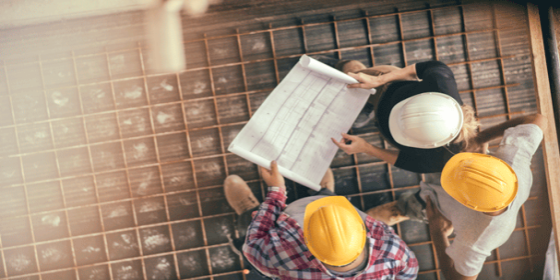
{"x":278,"y":189}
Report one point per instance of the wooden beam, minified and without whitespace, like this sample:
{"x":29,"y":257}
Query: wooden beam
{"x":544,"y":104}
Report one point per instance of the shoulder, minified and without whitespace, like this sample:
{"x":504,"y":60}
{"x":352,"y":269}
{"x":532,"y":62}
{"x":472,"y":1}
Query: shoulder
{"x":280,"y":250}
{"x":377,"y":229}
{"x":433,"y":67}
{"x":432,"y":64}
{"x":522,"y":140}
{"x":389,"y":244}
{"x":289,"y":231}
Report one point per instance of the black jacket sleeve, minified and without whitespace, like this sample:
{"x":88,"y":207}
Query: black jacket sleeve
{"x":423,"y":160}
{"x":435,"y":77}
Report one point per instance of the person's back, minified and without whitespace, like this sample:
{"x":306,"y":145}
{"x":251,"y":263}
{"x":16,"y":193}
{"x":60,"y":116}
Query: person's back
{"x":478,"y":197}
{"x":320,"y":237}
{"x":476,"y":233}
{"x":483,"y":224}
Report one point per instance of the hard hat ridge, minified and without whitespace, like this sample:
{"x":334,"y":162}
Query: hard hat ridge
{"x":427,"y":120}
{"x":333,"y":230}
{"x":481,"y":182}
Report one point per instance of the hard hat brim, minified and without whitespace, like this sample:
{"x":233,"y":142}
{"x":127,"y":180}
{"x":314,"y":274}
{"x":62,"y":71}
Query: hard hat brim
{"x":400,"y":137}
{"x":340,"y":201}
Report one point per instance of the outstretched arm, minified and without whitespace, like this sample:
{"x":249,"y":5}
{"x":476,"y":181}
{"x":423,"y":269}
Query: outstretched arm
{"x":352,"y":144}
{"x":368,"y":81}
{"x":497,"y":131}
{"x":262,"y":235}
{"x":440,"y":229}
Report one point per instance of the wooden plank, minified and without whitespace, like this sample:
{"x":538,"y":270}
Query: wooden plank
{"x":544,"y":103}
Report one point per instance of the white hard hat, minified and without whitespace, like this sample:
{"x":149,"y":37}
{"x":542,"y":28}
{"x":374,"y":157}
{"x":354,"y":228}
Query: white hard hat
{"x":427,"y":120}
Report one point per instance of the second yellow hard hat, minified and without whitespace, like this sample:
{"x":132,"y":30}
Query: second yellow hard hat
{"x":481,"y":182}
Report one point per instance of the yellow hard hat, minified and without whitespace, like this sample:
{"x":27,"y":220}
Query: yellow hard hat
{"x":481,"y":182}
{"x":333,"y":230}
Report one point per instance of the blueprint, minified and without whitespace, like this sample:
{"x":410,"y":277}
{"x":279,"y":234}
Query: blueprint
{"x":294,"y":125}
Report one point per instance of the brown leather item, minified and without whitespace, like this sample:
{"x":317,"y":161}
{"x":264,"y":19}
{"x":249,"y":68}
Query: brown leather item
{"x":239,"y":195}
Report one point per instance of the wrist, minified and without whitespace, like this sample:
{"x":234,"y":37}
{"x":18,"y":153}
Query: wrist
{"x":279,"y":188}
{"x":370,"y":149}
{"x":362,"y":148}
{"x":384,"y":78}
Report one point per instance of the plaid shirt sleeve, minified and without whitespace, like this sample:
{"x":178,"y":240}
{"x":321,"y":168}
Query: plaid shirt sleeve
{"x":394,"y":257}
{"x":263,"y":235}
{"x":410,"y":264}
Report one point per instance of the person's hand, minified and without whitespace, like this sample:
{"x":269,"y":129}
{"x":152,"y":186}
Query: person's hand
{"x":272,"y":177}
{"x":475,"y":146}
{"x":351,"y":144}
{"x":437,"y":222}
{"x":366,"y":81}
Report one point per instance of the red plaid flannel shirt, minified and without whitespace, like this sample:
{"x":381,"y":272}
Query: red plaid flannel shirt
{"x":275,"y":246}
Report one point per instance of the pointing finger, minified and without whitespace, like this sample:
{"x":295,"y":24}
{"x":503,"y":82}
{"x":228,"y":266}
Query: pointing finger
{"x":334,"y":141}
{"x":337,"y":143}
{"x":346,"y":139}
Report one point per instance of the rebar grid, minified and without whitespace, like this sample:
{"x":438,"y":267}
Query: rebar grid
{"x":192,"y":159}
{"x":102,"y":224}
{"x":213,"y":98}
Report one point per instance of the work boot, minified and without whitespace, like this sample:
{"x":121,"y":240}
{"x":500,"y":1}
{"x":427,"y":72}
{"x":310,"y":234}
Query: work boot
{"x":387,"y":213}
{"x":409,"y":205}
{"x":328,"y":181}
{"x":239,"y":195}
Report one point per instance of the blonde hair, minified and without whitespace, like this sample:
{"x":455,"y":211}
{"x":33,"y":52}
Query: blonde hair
{"x":470,"y":127}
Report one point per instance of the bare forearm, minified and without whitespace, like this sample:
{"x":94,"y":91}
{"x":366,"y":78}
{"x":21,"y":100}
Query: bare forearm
{"x":389,"y":156}
{"x":405,"y":74}
{"x":497,"y":131}
{"x":441,"y":242}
